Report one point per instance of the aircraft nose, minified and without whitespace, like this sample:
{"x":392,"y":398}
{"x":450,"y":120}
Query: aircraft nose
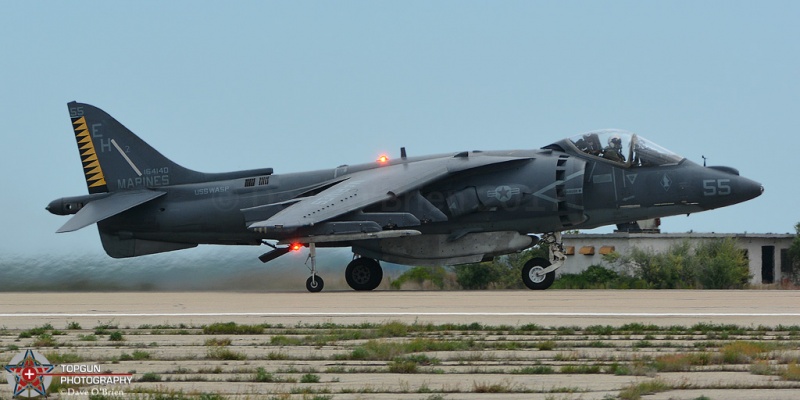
{"x":748,"y":188}
{"x":723,"y":186}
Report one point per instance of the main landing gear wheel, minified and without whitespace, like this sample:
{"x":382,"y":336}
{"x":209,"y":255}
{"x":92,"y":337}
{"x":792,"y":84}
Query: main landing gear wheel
{"x":532,"y":276}
{"x":314,"y":284}
{"x":363,"y":274}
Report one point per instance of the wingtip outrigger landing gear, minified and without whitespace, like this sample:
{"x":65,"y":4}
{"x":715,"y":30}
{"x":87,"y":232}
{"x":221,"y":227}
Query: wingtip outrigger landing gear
{"x":540,"y":273}
{"x":314,"y":283}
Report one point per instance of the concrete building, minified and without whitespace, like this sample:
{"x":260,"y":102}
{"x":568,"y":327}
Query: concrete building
{"x":768,"y":254}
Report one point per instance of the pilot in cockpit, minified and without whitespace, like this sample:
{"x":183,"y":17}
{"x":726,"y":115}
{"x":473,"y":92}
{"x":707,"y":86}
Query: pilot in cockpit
{"x":589,"y":143}
{"x":614,"y":150}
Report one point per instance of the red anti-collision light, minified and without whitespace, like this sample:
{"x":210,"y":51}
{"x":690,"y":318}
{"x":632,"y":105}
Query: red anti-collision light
{"x":296,"y":246}
{"x":383,"y":159}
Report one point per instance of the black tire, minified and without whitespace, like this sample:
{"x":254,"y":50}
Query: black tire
{"x":534,"y":281}
{"x":314,"y":284}
{"x":363,"y":274}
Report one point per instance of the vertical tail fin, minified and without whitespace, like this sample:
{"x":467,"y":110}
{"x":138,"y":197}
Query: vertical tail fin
{"x":114,"y":158}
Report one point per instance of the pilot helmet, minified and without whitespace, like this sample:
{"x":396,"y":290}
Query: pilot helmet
{"x":615,"y":142}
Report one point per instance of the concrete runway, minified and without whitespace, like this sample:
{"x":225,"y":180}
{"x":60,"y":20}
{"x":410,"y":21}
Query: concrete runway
{"x":546,"y":308}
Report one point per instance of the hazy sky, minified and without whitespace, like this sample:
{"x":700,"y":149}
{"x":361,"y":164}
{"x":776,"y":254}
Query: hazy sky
{"x":307,"y":85}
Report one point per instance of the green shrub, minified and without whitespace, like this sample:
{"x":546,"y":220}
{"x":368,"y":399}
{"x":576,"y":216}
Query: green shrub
{"x":223,"y":353}
{"x":669,"y":270}
{"x":501,"y":273}
{"x":63,"y":358}
{"x":435,"y":275}
{"x":794,"y":255}
{"x":721,"y":265}
{"x":598,"y":277}
{"x":711,"y":264}
{"x":44,"y":340}
{"x":402,"y":366}
{"x":263,"y":376}
{"x":150,"y":377}
{"x":477,"y":276}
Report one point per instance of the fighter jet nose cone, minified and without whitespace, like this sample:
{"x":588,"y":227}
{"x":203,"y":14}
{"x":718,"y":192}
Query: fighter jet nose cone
{"x":752,"y":189}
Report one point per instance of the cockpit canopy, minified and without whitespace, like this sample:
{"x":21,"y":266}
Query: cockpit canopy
{"x":623,"y":147}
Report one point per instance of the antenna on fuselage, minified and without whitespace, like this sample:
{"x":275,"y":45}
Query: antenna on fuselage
{"x":704,"y":160}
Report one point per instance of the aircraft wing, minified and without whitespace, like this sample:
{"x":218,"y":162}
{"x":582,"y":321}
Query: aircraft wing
{"x":372,"y":186}
{"x":101,"y":209}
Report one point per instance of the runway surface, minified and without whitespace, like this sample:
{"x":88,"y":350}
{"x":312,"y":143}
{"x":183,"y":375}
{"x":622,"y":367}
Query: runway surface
{"x":545,"y":308}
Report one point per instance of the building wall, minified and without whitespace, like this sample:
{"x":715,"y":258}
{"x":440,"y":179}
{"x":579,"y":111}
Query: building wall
{"x":588,"y":249}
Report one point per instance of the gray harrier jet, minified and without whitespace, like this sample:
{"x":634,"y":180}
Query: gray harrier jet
{"x":444,"y":209}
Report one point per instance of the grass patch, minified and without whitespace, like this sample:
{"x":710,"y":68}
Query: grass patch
{"x":791,"y":373}
{"x":223,"y":353}
{"x":681,"y":362}
{"x":150,"y":377}
{"x":534,"y":370}
{"x":546,"y":345}
{"x":262,"y":375}
{"x":218,"y":342}
{"x":581,"y":369}
{"x":136,"y":356}
{"x":403,"y":366}
{"x":231,"y":328}
{"x":635,"y":392}
{"x":392,"y":329}
{"x":283,"y":340}
{"x":383,"y":350}
{"x":505,"y":386}
{"x":309,"y":378}
{"x":742,"y":352}
{"x":44,"y":340}
{"x":63,"y":358}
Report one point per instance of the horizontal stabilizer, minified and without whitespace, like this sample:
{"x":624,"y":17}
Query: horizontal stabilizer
{"x":101,"y":209}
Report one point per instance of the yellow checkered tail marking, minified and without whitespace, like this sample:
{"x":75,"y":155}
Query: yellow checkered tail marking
{"x":91,"y":166}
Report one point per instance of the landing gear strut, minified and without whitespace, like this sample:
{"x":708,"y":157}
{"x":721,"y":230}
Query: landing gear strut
{"x":363,"y":274}
{"x":314,"y":283}
{"x":539,"y":273}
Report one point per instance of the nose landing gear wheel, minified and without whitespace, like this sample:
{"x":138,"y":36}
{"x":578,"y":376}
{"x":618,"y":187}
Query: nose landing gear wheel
{"x":314,"y":284}
{"x":532,"y":277}
{"x":363,"y":274}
